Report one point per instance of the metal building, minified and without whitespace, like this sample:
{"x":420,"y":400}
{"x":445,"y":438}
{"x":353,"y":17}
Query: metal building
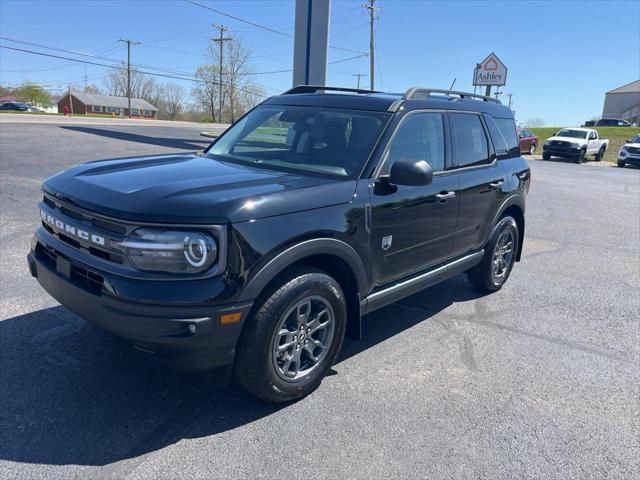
{"x":623,"y":103}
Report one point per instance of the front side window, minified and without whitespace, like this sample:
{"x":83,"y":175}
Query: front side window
{"x":298,"y":139}
{"x":419,"y":137}
{"x":470,"y":146}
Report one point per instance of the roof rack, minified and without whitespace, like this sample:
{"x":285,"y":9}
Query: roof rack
{"x":414,"y":93}
{"x":316,"y":88}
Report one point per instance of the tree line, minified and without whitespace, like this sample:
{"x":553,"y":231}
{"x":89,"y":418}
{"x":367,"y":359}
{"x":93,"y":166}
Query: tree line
{"x":173,"y":101}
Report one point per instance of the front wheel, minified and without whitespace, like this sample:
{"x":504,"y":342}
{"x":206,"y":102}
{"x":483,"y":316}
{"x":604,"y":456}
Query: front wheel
{"x":581,"y":155}
{"x":621,"y":163}
{"x":499,"y":257}
{"x":290,"y":343}
{"x":532,"y":149}
{"x":546,"y":156}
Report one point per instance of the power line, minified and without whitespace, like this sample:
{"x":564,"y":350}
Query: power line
{"x":263,"y":27}
{"x":116,"y":67}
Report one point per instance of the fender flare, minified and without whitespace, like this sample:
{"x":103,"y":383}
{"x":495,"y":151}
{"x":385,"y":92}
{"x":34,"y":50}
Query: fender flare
{"x":518,"y":201}
{"x":316,"y":246}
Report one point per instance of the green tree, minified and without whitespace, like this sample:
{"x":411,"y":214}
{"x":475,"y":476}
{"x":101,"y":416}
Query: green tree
{"x":32,"y":93}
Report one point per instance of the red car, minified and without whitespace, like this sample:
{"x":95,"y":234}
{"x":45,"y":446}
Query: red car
{"x":528,"y":141}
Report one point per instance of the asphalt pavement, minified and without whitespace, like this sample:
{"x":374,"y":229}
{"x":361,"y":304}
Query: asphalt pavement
{"x":538,"y":380}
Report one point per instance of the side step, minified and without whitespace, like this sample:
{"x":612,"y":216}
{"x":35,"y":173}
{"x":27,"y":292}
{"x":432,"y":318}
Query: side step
{"x":407,"y":287}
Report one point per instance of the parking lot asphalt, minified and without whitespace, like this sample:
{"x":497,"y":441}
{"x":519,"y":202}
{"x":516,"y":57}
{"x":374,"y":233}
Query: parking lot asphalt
{"x":538,"y":380}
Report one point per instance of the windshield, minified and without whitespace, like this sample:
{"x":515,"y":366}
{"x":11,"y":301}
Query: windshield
{"x":313,"y":140}
{"x":636,"y":139}
{"x":565,"y":132}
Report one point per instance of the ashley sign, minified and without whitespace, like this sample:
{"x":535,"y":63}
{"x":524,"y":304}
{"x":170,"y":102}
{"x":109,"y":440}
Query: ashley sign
{"x":491,"y":71}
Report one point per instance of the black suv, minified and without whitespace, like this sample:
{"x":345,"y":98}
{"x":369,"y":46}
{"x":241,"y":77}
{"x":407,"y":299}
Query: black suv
{"x":261,"y":253}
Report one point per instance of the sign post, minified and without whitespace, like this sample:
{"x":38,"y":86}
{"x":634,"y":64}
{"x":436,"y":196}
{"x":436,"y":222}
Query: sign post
{"x":311,"y":42}
{"x":491,"y":71}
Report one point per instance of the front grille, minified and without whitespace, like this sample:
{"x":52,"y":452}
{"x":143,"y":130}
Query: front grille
{"x":635,"y":150}
{"x":106,"y":229}
{"x":87,"y":279}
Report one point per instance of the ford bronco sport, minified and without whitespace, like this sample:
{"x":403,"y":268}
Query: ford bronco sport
{"x":258,"y":255}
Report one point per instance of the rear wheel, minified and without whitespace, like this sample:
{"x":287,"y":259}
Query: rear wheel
{"x":290,"y":343}
{"x":600,"y":154}
{"x":499,"y":257}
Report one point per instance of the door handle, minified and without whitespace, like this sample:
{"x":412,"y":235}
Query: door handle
{"x":496,"y":185}
{"x":444,"y":196}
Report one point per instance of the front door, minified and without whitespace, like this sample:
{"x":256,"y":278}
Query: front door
{"x":412,"y":227}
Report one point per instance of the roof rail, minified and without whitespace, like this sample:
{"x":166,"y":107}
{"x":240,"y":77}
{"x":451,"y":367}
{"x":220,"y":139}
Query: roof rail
{"x":414,"y":93}
{"x":316,"y":88}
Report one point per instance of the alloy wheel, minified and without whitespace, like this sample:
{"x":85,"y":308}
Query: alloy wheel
{"x":502,"y":256}
{"x":303,"y":338}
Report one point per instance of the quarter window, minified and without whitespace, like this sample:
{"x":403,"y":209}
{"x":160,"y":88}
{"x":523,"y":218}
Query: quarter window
{"x":470,"y":146}
{"x":508,"y":128}
{"x":419,"y":137}
{"x":499,"y":143}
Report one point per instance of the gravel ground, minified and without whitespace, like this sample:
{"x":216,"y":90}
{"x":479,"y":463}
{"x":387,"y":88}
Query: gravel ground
{"x":539,"y":380}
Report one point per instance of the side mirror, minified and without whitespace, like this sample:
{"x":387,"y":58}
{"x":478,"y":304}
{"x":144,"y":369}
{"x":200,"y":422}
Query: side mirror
{"x":414,"y":173}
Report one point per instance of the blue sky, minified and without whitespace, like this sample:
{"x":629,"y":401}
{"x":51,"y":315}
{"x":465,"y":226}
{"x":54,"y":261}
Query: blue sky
{"x":562,"y":56}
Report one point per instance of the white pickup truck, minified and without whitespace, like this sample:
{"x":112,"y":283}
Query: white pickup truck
{"x":575,"y":143}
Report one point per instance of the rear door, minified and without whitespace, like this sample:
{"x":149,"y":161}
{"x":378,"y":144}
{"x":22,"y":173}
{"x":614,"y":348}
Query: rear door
{"x":483,"y":183}
{"x":413,"y":226}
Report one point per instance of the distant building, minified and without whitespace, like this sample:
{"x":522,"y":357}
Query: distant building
{"x":93,"y":103}
{"x":8,"y":98}
{"x":623,"y":102}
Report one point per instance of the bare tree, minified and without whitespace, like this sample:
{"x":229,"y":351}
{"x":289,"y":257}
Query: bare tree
{"x":205,"y":91}
{"x":142,"y":86}
{"x":172,"y":98}
{"x":236,"y":68}
{"x":534,"y":122}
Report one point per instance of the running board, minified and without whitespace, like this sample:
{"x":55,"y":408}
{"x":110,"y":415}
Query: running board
{"x":412,"y":285}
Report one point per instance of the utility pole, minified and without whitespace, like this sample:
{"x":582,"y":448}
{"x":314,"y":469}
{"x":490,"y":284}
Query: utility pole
{"x":129,"y":43}
{"x":509,"y":95}
{"x":70,"y":101}
{"x":372,"y":16}
{"x":221,"y":39}
{"x":359,"y":75}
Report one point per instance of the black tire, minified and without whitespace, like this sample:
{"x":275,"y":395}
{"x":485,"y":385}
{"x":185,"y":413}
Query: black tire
{"x":532,"y":149}
{"x":621,"y":163}
{"x":546,"y":156}
{"x":257,"y":364}
{"x":483,"y":276}
{"x":600,"y":154}
{"x":581,"y":155}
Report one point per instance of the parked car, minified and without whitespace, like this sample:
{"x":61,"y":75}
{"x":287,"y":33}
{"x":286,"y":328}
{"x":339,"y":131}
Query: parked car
{"x":629,"y":154}
{"x":261,"y":253}
{"x":19,"y":106}
{"x":589,"y":123}
{"x":575,"y":143}
{"x":612,"y":122}
{"x":527,"y":140}
{"x":35,"y":109}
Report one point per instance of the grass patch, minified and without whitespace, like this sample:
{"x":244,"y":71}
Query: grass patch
{"x":617,"y":137}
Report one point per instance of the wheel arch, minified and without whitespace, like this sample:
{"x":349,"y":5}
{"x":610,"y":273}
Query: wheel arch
{"x":335,"y":257}
{"x":514,"y":206}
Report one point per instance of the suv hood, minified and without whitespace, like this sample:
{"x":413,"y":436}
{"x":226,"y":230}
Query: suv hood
{"x":186,"y":188}
{"x":577,"y":141}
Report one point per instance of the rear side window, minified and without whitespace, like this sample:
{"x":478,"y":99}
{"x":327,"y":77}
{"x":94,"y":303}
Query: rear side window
{"x":470,"y":146}
{"x":508,"y":128}
{"x":499,"y":142}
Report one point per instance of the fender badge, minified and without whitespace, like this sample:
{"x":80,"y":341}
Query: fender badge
{"x":386,"y":242}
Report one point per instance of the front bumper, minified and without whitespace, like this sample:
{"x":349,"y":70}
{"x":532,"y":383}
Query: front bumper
{"x":188,"y":337}
{"x":558,"y":151}
{"x":630,"y":159}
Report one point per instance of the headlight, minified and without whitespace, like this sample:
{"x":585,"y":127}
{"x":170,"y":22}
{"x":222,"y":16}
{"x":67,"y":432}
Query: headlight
{"x":169,"y":250}
{"x":574,"y":145}
{"x":623,"y":152}
{"x":547,"y":142}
